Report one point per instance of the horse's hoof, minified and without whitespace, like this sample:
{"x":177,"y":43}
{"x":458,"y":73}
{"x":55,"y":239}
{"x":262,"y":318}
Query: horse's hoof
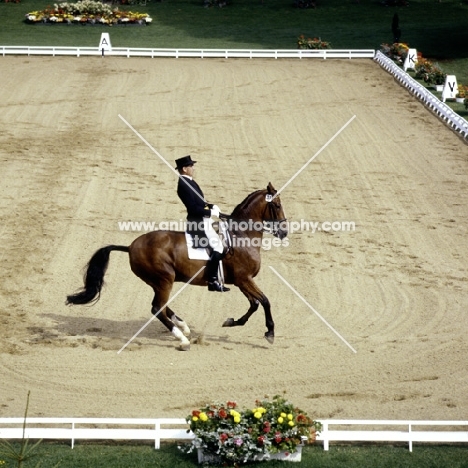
{"x":184,"y":347}
{"x":229,"y":322}
{"x":270,"y":338}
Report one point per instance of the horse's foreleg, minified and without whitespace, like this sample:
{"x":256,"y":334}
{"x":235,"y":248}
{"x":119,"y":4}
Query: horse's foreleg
{"x":230,"y":322}
{"x":161,"y":313}
{"x":255,"y":297}
{"x":178,"y":321}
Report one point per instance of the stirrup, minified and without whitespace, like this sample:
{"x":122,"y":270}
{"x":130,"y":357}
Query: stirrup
{"x":216,"y":286}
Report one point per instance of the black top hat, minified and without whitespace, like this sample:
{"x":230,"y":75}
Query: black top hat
{"x":185,"y":161}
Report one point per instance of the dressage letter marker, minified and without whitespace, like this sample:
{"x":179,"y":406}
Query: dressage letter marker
{"x":105,"y":43}
{"x":450,"y":90}
{"x":313,"y":310}
{"x":411,"y":59}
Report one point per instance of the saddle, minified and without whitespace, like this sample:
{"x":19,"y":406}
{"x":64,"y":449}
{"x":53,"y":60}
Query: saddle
{"x":197,"y":241}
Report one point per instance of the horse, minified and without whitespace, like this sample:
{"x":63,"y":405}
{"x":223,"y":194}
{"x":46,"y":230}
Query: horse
{"x":160,"y":258}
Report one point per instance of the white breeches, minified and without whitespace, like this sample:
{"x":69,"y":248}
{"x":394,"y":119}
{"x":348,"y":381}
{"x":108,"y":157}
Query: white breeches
{"x":213,"y":238}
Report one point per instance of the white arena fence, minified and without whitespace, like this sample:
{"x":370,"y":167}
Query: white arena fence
{"x":180,"y":53}
{"x":451,"y":118}
{"x":168,"y":429}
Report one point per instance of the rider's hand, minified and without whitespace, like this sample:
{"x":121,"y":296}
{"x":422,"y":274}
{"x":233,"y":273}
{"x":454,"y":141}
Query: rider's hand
{"x":215,"y":211}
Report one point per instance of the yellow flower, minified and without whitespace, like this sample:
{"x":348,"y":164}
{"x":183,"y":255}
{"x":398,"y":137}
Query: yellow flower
{"x":257,"y":414}
{"x":290,"y":416}
{"x":291,"y":423}
{"x":237,"y":419}
{"x":203,"y":417}
{"x":283,"y":415}
{"x":280,"y":420}
{"x":194,"y":418}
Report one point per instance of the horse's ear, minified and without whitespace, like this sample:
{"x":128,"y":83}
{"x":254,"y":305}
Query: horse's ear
{"x":271,"y":189}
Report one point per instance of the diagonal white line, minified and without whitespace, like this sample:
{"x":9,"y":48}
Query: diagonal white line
{"x":313,"y":310}
{"x":159,"y":155}
{"x":314,"y":156}
{"x":157,"y":313}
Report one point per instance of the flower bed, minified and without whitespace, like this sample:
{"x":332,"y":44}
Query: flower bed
{"x":425,"y":69}
{"x":396,"y":51}
{"x":311,"y":43}
{"x":231,"y":437}
{"x":86,"y":12}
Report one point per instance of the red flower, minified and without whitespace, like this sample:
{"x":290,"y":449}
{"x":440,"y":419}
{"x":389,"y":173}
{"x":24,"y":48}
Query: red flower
{"x":231,"y":404}
{"x":223,"y":437}
{"x":301,"y":418}
{"x":260,"y":440}
{"x":222,"y":413}
{"x":196,"y":413}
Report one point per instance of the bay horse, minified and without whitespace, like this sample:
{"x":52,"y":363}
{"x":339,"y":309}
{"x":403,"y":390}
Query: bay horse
{"x":160,"y":258}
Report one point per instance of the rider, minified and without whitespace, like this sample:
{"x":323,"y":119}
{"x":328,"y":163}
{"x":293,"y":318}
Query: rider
{"x":200,"y":212}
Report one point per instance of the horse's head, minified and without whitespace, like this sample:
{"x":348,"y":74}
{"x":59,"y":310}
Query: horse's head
{"x":274,"y":216}
{"x":263,"y":207}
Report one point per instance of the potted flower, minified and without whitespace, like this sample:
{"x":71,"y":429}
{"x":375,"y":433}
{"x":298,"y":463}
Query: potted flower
{"x":437,"y":77}
{"x":396,"y":51}
{"x":430,"y":72}
{"x":273,"y":429}
{"x":462,"y":93}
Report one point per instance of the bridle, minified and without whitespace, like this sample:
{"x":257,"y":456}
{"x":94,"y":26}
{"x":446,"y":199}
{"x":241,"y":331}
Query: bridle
{"x":273,"y":225}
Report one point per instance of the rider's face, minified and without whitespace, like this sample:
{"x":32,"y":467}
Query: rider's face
{"x":189,"y":170}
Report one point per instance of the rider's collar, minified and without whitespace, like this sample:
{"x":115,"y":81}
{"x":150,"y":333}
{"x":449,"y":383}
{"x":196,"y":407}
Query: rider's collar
{"x":188,"y":177}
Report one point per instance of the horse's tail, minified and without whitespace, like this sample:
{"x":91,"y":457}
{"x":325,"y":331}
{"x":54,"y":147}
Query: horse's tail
{"x":94,"y":276}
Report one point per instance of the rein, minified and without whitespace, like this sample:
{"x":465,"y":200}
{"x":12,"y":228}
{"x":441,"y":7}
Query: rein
{"x":268,"y":226}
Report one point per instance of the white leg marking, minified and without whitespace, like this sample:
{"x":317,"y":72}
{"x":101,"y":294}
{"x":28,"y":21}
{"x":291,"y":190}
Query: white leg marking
{"x":184,"y":342}
{"x":181,"y":324}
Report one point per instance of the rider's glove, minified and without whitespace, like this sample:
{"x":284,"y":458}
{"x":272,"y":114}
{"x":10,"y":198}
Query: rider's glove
{"x":215,"y":211}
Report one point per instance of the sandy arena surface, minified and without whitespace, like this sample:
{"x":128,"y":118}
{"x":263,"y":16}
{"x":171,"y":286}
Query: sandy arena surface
{"x":395,"y":289}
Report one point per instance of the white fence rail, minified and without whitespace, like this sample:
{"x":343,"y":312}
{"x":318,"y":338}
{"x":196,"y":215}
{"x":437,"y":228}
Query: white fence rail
{"x":177,"y":429}
{"x":450,"y":117}
{"x":96,"y":429}
{"x":392,"y":431}
{"x":197,"y":53}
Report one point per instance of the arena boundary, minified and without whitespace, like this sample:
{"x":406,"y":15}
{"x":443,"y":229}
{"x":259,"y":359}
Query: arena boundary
{"x":182,"y":53}
{"x":172,"y":429}
{"x":442,"y":110}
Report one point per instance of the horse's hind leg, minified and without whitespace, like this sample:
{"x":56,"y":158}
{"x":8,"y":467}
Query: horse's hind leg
{"x":178,"y":321}
{"x":160,"y":310}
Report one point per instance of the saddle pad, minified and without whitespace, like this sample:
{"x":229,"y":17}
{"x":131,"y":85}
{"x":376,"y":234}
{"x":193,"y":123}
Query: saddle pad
{"x":195,"y":254}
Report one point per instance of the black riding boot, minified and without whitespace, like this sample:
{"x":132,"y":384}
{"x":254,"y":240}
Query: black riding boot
{"x":212,"y":273}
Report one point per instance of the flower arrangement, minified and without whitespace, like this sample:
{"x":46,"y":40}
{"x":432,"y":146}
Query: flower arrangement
{"x":462,"y":91}
{"x":308,"y":43}
{"x":396,"y":51}
{"x":429,"y":72}
{"x":86,"y":11}
{"x":235,"y":437}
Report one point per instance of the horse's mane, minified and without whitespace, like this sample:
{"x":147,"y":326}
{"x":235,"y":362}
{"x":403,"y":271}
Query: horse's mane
{"x":243,"y":207}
